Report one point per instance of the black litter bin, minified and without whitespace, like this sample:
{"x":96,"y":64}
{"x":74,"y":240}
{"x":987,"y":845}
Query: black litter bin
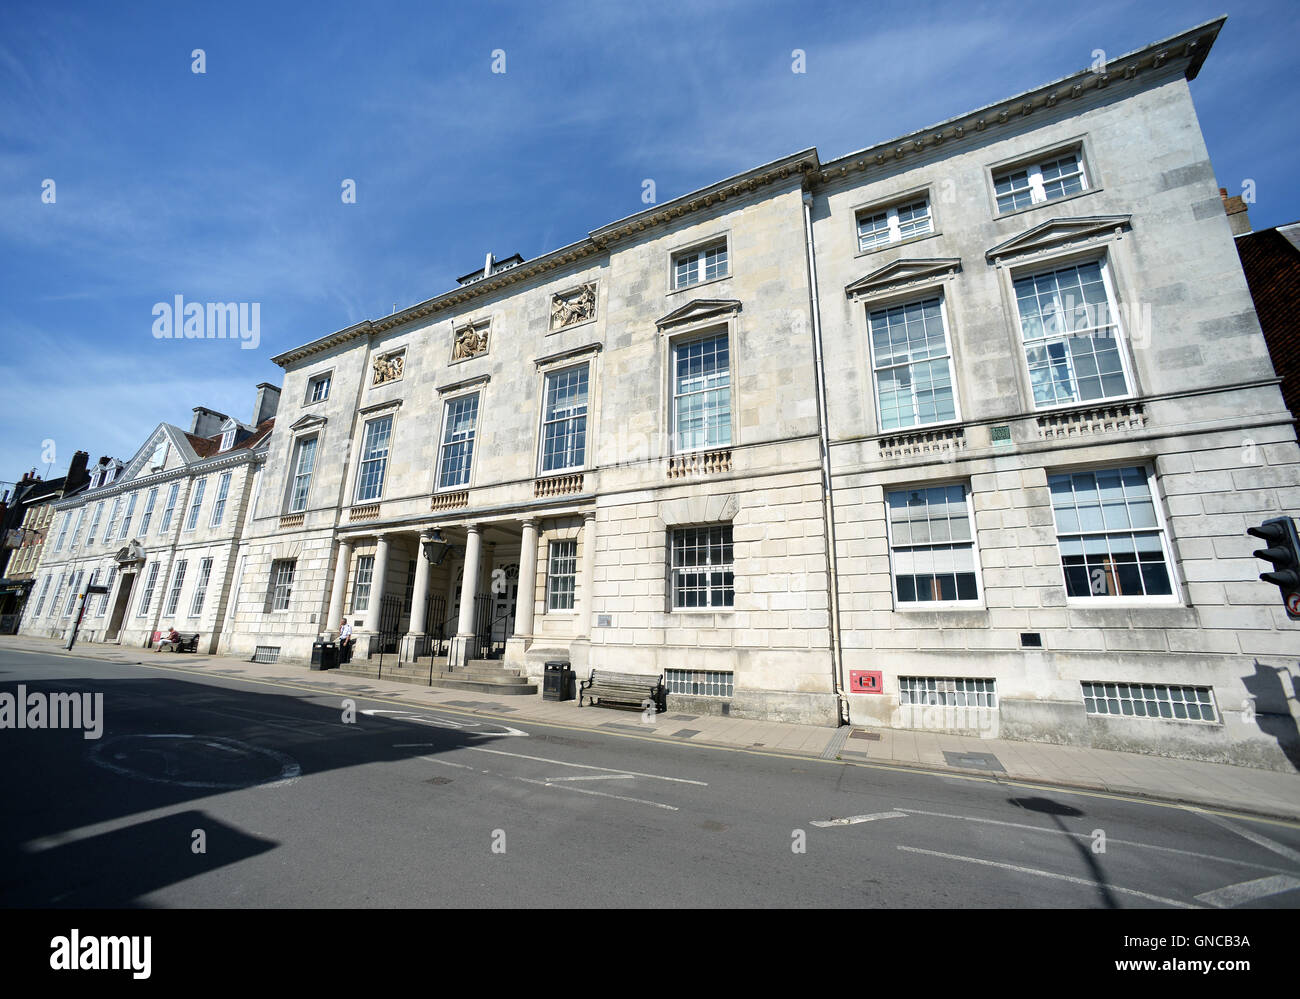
{"x":560,"y":682}
{"x":324,"y":655}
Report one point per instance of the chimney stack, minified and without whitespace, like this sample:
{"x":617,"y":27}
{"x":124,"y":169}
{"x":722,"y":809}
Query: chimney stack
{"x":207,"y":422}
{"x":77,"y":474}
{"x":268,"y":401}
{"x":1235,"y":209}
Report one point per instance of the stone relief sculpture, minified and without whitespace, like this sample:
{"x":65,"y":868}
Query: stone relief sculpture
{"x":388,"y":368}
{"x":576,"y":307}
{"x":470,"y":342}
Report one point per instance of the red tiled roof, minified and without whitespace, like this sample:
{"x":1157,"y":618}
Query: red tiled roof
{"x":206,"y":447}
{"x":1272,"y":267}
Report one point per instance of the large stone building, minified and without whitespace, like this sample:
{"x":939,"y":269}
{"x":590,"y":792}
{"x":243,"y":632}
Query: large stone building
{"x":160,"y":531}
{"x":959,"y":431}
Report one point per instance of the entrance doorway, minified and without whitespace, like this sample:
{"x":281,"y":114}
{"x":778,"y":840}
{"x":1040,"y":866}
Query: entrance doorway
{"x":120,"y":605}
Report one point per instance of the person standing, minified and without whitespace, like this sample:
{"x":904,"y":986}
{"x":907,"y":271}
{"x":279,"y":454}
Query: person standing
{"x":345,"y":642}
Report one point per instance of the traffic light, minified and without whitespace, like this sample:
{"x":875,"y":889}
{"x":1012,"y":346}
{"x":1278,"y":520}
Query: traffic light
{"x":1283,"y":552}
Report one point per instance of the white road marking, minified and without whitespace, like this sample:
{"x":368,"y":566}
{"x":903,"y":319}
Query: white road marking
{"x":593,"y":777}
{"x":584,"y":766}
{"x":853,"y":820}
{"x":601,"y":794}
{"x":447,"y":763}
{"x":1049,"y":874}
{"x":1088,"y":836}
{"x":1255,"y":837}
{"x":1249,"y":891}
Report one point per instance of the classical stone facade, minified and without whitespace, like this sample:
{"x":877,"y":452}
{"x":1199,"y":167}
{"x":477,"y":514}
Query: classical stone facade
{"x":160,"y":531}
{"x":960,"y":431}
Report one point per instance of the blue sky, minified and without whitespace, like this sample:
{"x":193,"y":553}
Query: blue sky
{"x":226,"y":186}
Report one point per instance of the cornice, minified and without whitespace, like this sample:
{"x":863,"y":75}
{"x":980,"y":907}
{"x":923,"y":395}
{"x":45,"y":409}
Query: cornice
{"x":1058,"y":232}
{"x":903,"y":272}
{"x":463,"y":383}
{"x":203,"y":466}
{"x":1187,"y":50}
{"x":565,"y":355}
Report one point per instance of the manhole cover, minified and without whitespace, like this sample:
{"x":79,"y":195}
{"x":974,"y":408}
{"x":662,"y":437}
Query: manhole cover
{"x":438,"y":780}
{"x":199,"y":761}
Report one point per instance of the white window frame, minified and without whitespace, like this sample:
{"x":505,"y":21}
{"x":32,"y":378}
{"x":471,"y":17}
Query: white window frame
{"x":178,"y":583}
{"x":227,"y":439}
{"x":928,"y":605}
{"x":200,"y":587}
{"x":112,"y":519}
{"x":172,"y":495}
{"x":94,"y":523}
{"x":282,"y":573}
{"x":893,"y":230}
{"x":63,"y":531}
{"x":382,"y":460}
{"x":291,"y":505}
{"x":40,"y":600}
{"x":1171,"y":599}
{"x":572,"y":417}
{"x":708,"y":569}
{"x":150,"y":501}
{"x":444,"y":443}
{"x":1117,"y":324}
{"x":196,"y":504}
{"x":219,"y":504}
{"x":552,"y":557}
{"x":362,"y":582}
{"x":699,"y":267}
{"x":1034,"y":183}
{"x":125,"y":529}
{"x":918,"y":300}
{"x":103,"y":598}
{"x":326,"y":379}
{"x":146,"y":593}
{"x":674,"y":395}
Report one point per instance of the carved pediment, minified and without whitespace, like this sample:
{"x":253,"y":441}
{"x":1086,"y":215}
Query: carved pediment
{"x":903,"y":271}
{"x":1058,"y":232}
{"x":131,"y":553}
{"x":700,"y":309}
{"x":310,"y":422}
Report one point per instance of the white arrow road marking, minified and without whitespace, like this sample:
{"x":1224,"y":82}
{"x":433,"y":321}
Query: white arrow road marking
{"x":602,"y":794}
{"x":853,"y":820}
{"x":584,"y":766}
{"x":1088,"y":837}
{"x":1048,"y":874}
{"x":1255,"y":837}
{"x":1248,"y":891}
{"x":437,"y":721}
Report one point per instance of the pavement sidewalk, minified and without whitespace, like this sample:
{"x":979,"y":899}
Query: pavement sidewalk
{"x":1210,"y":785}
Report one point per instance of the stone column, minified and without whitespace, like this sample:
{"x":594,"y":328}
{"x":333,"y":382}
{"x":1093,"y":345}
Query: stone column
{"x":462,"y":646}
{"x":419,"y":594}
{"x":527,"y":581}
{"x":342,"y":564}
{"x":377,"y":585}
{"x":582,"y":627}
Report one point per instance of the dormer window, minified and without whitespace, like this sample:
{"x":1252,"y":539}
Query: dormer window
{"x":227,"y":439}
{"x":94,"y":480}
{"x":109,"y":474}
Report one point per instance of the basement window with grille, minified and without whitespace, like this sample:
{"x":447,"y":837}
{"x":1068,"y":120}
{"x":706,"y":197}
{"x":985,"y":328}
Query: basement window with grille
{"x":699,"y":683}
{"x":267,"y":654}
{"x":1150,"y":700}
{"x":948,"y":691}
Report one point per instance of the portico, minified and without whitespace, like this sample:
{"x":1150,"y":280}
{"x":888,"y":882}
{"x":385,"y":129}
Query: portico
{"x":458,"y":591}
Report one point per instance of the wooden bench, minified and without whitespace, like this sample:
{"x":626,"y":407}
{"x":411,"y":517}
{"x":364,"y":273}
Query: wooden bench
{"x":623,"y":688}
{"x":189,"y":641}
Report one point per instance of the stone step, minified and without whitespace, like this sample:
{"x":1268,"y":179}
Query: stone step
{"x":487,"y":686}
{"x":480,"y":676}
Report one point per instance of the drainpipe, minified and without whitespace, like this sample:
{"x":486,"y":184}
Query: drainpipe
{"x":828,"y":503}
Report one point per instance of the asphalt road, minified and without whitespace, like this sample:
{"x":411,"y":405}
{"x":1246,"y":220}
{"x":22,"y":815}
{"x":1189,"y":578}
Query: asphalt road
{"x":211,"y":791}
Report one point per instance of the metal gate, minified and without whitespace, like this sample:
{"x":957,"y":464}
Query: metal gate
{"x":436,"y":625}
{"x":390,"y":623}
